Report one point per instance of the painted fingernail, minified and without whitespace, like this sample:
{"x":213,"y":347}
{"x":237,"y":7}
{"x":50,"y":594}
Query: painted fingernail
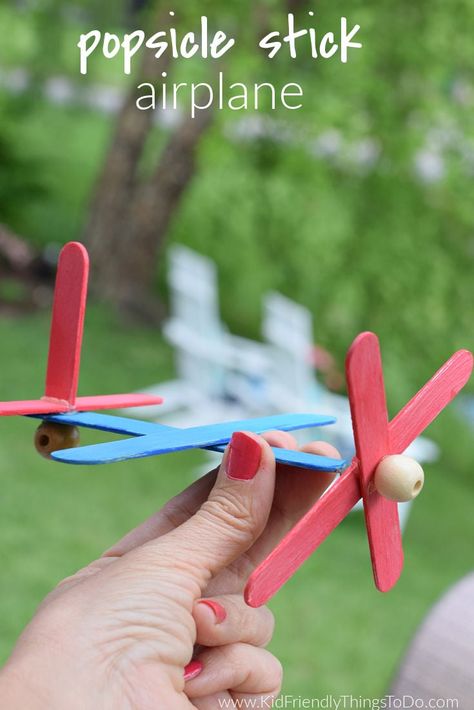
{"x":219,"y":611}
{"x":192,"y":670}
{"x":244,"y":457}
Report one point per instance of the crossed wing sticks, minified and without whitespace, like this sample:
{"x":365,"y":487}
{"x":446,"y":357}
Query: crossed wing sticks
{"x":375,"y":438}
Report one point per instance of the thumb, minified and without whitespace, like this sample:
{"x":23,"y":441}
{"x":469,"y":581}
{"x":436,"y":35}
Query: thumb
{"x":234,"y":515}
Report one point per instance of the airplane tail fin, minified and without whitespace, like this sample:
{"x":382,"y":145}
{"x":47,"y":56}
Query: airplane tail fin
{"x":67,"y":324}
{"x":65,"y":344}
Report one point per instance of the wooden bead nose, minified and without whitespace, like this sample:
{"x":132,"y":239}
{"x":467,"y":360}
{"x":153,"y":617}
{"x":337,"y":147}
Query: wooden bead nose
{"x":399,"y":478}
{"x":51,"y":437}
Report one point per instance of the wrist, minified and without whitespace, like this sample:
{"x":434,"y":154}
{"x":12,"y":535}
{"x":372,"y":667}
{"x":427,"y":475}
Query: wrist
{"x":15,"y":690}
{"x":37,"y":687}
{"x":44,"y":684}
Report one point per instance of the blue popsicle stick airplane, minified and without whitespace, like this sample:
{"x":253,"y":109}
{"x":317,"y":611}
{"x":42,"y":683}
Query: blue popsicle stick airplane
{"x":63,"y":412}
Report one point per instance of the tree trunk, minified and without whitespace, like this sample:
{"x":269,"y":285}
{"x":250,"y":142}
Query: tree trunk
{"x":142,"y":236}
{"x":296,"y":6}
{"x":129,"y":217}
{"x":116,"y":184}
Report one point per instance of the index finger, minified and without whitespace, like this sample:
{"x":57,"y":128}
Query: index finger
{"x":183,"y":506}
{"x":296,"y":491}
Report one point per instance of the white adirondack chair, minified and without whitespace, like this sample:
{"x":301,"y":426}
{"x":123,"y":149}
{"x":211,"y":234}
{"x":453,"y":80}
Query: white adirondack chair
{"x":293,"y":385}
{"x":222,"y":376}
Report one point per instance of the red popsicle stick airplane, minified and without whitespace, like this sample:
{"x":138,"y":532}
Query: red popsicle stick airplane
{"x":377,"y":473}
{"x":67,"y":325}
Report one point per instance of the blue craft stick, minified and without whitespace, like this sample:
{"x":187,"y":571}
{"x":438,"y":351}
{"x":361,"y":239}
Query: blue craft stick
{"x":169,"y":440}
{"x":301,"y":459}
{"x":290,"y":457}
{"x":136,"y":427}
{"x":314,"y":462}
{"x":105,"y":422}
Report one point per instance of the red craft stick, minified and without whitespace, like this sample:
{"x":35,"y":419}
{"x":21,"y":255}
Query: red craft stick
{"x":433,"y":397}
{"x":115,"y":401}
{"x":303,"y":539}
{"x":67,"y":324}
{"x":370,"y":423}
{"x":33,"y":406}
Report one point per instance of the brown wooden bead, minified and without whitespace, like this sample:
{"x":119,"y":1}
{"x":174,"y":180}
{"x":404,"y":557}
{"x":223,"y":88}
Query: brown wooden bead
{"x":50,"y":437}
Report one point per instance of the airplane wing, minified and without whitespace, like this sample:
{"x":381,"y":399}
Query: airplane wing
{"x":427,"y":404}
{"x":302,"y":540}
{"x":136,"y":427}
{"x":168,"y":439}
{"x":299,"y":459}
{"x":105,"y":422}
{"x":31,"y":406}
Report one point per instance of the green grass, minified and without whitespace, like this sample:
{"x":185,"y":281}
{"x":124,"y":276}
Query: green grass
{"x":334,"y":633}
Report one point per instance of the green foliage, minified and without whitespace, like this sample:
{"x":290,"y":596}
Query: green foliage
{"x":11,"y":291}
{"x":67,"y":145}
{"x":360,"y":251}
{"x":20,"y":175}
{"x":365,"y":245}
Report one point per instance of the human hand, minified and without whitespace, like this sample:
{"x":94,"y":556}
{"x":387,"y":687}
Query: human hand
{"x":120,"y":632}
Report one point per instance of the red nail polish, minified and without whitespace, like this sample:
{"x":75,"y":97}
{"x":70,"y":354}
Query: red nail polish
{"x":192,"y":670}
{"x":244,"y":457}
{"x":219,"y":611}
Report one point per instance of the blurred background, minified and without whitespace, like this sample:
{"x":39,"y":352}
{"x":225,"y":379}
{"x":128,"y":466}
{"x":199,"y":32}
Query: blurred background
{"x":358,"y":207}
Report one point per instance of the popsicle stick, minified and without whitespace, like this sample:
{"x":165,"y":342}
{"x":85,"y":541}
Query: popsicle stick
{"x":302,"y":460}
{"x":303,"y":539}
{"x":33,"y":406}
{"x":371,"y":433}
{"x":105,"y":422}
{"x":283,"y":422}
{"x":67,"y":324}
{"x":427,"y":404}
{"x":115,"y":401}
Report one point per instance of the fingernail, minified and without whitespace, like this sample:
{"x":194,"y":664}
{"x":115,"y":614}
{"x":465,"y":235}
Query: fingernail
{"x":244,"y":457}
{"x":192,"y":670}
{"x":219,"y":611}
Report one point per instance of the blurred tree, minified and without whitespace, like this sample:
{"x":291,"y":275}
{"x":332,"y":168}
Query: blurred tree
{"x":130,"y":218}
{"x":136,"y":7}
{"x":359,"y":205}
{"x":130,"y":213}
